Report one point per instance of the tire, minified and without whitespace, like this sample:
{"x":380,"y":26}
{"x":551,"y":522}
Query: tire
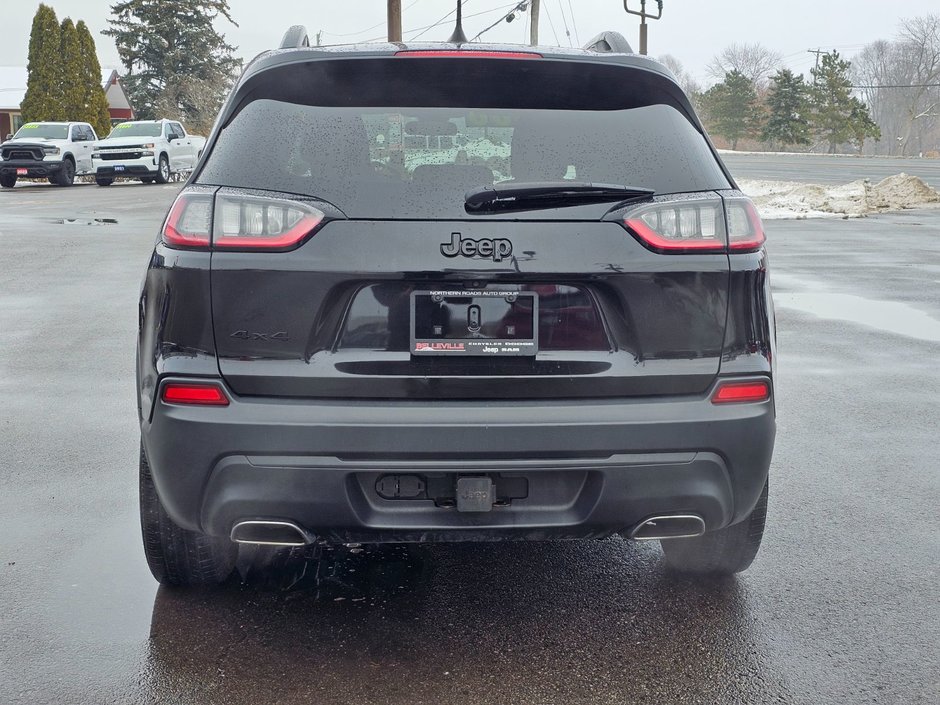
{"x":146,"y":180}
{"x":104,"y":182}
{"x":66,"y":175}
{"x":177,"y":556}
{"x":726,"y":551}
{"x":163,"y":170}
{"x":8,"y":181}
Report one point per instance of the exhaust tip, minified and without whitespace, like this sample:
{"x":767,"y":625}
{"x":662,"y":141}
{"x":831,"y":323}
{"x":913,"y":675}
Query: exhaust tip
{"x":270,"y":533}
{"x":668,"y":526}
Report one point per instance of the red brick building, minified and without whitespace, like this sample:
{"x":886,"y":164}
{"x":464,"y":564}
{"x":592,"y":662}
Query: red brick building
{"x":13,"y":90}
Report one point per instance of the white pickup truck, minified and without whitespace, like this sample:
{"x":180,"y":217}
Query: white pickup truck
{"x":148,"y":150}
{"x":53,"y":151}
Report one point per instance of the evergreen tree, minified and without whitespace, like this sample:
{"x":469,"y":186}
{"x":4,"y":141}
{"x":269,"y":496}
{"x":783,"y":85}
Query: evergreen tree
{"x":788,"y":103}
{"x":178,"y":65}
{"x":94,"y":100}
{"x":70,"y":76}
{"x":838,"y":117}
{"x":43,"y":100}
{"x":731,"y":108}
{"x":863,"y":126}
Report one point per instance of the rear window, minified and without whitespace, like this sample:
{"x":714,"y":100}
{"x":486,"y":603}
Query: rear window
{"x":380,"y":150}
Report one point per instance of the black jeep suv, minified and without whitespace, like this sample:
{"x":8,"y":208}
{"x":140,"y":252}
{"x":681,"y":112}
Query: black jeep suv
{"x":455,"y":293}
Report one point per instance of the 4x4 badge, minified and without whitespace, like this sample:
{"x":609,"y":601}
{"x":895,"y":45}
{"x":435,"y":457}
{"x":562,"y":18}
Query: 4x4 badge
{"x":497,"y":249}
{"x":281,"y":337}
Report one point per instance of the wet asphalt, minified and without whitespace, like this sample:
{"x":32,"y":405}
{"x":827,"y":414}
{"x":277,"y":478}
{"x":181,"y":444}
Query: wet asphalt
{"x":841,"y":606}
{"x":826,"y":169}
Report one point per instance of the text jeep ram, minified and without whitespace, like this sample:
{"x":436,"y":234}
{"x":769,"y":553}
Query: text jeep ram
{"x":461,"y":293}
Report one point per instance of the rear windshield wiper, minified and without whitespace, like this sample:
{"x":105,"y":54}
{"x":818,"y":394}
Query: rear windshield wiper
{"x":531,"y":195}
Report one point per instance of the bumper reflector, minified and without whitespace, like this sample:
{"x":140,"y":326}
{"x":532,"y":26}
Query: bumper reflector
{"x":199,"y":394}
{"x":734,"y":392}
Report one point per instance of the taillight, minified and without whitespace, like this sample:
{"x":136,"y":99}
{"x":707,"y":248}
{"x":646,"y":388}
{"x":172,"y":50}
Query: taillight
{"x":231,"y":220}
{"x":737,"y":392}
{"x":698,"y":225}
{"x":745,"y":229}
{"x":196,"y":394}
{"x":688,"y":225}
{"x":190,"y":221}
{"x":261,"y":222}
{"x":467,"y":54}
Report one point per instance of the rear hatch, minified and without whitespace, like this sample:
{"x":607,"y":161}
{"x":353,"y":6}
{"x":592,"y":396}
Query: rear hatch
{"x":350,"y":260}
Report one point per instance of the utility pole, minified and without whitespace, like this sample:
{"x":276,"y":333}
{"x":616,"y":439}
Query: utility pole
{"x":643,"y":17}
{"x":534,"y":25}
{"x":394,"y":20}
{"x":817,"y":52}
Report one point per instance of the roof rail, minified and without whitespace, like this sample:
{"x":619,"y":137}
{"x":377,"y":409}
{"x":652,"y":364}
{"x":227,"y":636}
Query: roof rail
{"x":609,"y":42}
{"x":295,"y":38}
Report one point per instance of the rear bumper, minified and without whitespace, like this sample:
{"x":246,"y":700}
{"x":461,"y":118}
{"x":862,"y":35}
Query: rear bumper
{"x":35,"y":170}
{"x":590,"y":468}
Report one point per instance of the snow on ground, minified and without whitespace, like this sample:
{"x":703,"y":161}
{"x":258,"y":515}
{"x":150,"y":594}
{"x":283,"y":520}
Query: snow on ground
{"x":787,"y":199}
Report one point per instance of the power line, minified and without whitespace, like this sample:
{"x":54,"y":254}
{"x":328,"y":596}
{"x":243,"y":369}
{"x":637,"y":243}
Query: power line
{"x":561,"y":9}
{"x":908,"y":85}
{"x":573,"y":25}
{"x":367,"y":29}
{"x":440,"y":21}
{"x":552,"y":25}
{"x":520,"y":7}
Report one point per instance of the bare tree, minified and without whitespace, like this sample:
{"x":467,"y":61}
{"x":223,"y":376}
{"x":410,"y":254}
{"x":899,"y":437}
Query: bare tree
{"x":920,"y":41}
{"x":755,"y":61}
{"x":686,"y":80}
{"x":881,"y":64}
{"x":897,"y":79}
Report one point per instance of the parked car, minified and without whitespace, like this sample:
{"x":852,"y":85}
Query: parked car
{"x":147,"y":150}
{"x":53,"y":151}
{"x":347,"y":339}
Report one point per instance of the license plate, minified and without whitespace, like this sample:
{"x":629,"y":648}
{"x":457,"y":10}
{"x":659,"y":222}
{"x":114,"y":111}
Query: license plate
{"x":119,"y":168}
{"x":22,"y":172}
{"x":489,"y":323}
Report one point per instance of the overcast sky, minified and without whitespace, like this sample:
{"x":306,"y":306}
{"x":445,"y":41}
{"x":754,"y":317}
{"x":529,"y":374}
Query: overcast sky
{"x":691,"y":30}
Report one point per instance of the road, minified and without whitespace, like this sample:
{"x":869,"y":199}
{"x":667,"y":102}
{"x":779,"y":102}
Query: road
{"x":841,"y":606}
{"x":824,"y":169}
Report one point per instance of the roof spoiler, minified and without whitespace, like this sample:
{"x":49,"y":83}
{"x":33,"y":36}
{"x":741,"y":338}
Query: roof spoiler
{"x":295,"y":38}
{"x":609,"y":42}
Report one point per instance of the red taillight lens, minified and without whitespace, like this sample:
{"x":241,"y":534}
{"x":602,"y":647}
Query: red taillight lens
{"x":198,"y":394}
{"x":231,"y":220}
{"x":736,"y":392}
{"x":745,"y":229}
{"x":468,"y":54}
{"x":257,"y":222}
{"x":688,"y":225}
{"x":190,"y":221}
{"x":698,"y":225}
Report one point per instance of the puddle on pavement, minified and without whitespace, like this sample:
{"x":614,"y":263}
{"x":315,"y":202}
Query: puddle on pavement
{"x":86,"y":221}
{"x":366,"y":574}
{"x":887,"y":316}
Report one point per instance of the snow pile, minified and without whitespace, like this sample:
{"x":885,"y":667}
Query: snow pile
{"x":787,"y":199}
{"x":901,"y":191}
